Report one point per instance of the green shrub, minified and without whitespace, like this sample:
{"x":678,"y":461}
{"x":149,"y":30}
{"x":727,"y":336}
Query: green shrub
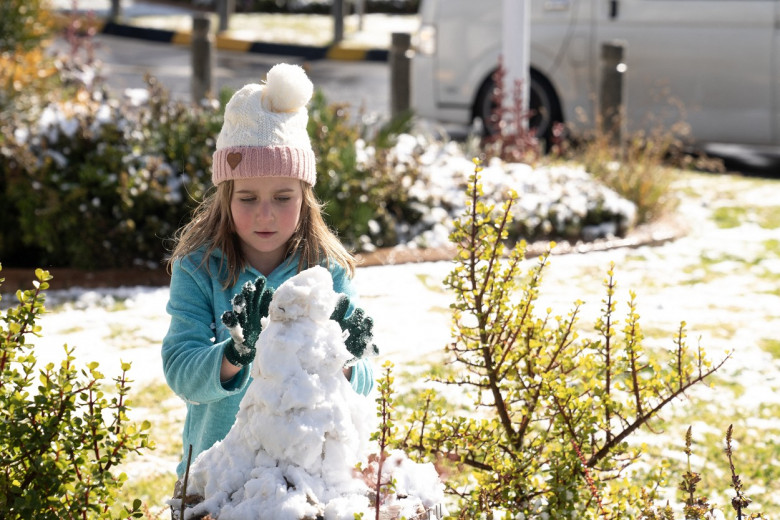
{"x":554,"y":411}
{"x":24,"y":24}
{"x":61,"y":436}
{"x":24,"y":65}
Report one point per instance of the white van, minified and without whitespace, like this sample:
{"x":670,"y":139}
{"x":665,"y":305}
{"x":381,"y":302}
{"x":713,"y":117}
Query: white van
{"x":711,"y":63}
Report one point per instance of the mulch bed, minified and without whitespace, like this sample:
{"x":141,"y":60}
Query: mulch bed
{"x":65,"y":278}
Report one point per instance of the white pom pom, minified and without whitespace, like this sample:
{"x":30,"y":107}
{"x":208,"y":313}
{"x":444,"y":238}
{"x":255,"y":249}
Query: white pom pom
{"x":287,"y":88}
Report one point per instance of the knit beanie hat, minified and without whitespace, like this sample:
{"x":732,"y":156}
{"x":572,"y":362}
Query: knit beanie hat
{"x":264,"y":131}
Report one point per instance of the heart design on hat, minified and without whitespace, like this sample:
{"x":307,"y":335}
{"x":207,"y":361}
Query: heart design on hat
{"x":234,"y":159}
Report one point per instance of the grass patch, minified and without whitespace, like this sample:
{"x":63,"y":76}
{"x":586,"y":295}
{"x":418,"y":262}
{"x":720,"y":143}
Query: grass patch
{"x":152,"y":395}
{"x":772,"y":247}
{"x":769,"y":217}
{"x":727,"y":217}
{"x":772,"y":346}
{"x":658,"y":333}
{"x":72,"y":330}
{"x":120,"y":330}
{"x":635,"y":258}
{"x":157,"y":403}
{"x":726,"y":385}
{"x":433,"y":284}
{"x":723,"y":330}
{"x":153,"y":490}
{"x":711,"y":268}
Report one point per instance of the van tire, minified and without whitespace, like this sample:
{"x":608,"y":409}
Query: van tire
{"x":544,"y":106}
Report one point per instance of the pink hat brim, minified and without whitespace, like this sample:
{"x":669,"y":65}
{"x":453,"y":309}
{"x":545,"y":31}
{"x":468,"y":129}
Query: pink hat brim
{"x":245,"y":162}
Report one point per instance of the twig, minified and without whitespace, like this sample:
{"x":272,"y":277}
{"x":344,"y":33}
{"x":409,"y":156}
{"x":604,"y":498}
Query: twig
{"x":589,"y":479}
{"x":740,"y":501}
{"x":184,"y":485}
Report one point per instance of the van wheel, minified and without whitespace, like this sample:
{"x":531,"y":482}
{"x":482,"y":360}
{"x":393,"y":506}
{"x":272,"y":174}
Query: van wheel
{"x":544,"y":106}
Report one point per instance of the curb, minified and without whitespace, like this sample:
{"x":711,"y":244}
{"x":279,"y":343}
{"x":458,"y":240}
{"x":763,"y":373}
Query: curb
{"x":343,"y":51}
{"x":654,"y":234}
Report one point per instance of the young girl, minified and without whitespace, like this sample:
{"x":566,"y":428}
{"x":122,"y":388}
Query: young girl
{"x":260,"y":226}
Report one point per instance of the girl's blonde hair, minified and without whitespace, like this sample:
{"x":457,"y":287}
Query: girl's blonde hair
{"x":212,"y":226}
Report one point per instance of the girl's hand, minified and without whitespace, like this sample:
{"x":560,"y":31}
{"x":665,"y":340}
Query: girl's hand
{"x":360,"y":328}
{"x":243,"y":321}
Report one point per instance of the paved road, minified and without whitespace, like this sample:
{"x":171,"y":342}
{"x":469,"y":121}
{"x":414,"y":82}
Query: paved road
{"x":364,"y":85}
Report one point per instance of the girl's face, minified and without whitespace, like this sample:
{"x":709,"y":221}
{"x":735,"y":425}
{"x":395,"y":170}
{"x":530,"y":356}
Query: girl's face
{"x":265,"y":214}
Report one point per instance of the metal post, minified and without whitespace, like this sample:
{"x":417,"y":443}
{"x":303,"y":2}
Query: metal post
{"x":338,"y":20}
{"x":202,"y":57}
{"x":400,"y":67}
{"x":116,"y":11}
{"x":611,"y":94}
{"x":515,"y":49}
{"x":360,"y":7}
{"x":225,"y":9}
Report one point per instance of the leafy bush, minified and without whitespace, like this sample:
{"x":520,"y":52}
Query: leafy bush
{"x":24,"y":66}
{"x":359,"y":175}
{"x":637,"y":170}
{"x":554,"y":411}
{"x":61,"y":437}
{"x":24,"y":71}
{"x":24,"y":24}
{"x":95,"y":183}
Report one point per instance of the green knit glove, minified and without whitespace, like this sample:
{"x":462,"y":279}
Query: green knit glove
{"x":243,"y":322}
{"x":360,"y":328}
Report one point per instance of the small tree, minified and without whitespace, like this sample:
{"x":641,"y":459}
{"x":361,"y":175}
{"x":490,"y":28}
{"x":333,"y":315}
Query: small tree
{"x":554,"y":411}
{"x":61,"y":436}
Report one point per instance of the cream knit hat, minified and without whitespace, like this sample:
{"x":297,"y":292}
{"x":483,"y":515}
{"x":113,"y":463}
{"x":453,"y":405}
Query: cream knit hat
{"x":264,"y":132}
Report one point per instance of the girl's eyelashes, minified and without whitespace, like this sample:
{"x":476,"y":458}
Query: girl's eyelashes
{"x":280,"y":198}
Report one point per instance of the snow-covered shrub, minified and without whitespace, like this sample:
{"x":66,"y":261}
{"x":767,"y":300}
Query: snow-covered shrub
{"x":63,"y":433}
{"x":553,"y":201}
{"x":359,"y":175}
{"x":637,"y":168}
{"x":94,"y":182}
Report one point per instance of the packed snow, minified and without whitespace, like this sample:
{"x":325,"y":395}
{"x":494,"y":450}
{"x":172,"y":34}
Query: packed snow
{"x":301,"y":430}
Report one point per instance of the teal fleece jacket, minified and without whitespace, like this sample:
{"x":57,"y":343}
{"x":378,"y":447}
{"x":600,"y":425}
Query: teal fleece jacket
{"x":195,"y":343}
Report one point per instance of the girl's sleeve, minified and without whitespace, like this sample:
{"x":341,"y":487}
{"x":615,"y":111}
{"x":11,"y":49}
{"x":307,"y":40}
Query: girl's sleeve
{"x":191,"y":357}
{"x":362,"y":380}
